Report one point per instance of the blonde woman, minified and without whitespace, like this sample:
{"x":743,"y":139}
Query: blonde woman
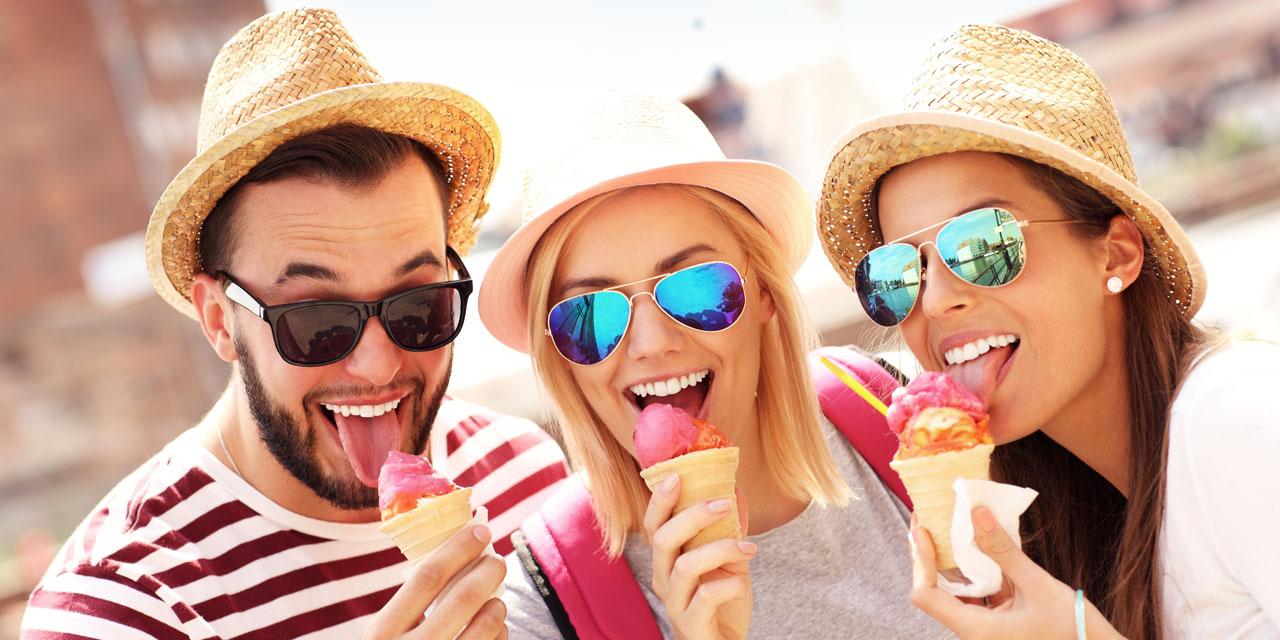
{"x":682,"y":261}
{"x":998,"y":224}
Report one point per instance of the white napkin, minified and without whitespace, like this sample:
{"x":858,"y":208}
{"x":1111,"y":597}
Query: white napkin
{"x":1007,"y":502}
{"x":481,"y":516}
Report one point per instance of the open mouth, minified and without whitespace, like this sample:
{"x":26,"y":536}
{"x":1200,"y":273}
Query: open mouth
{"x":981,"y":364}
{"x":367,"y":433}
{"x":687,"y":392}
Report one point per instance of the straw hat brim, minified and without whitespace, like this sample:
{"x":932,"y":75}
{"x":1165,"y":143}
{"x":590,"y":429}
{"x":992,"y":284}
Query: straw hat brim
{"x":862,"y":155}
{"x":774,"y":196}
{"x":447,"y":121}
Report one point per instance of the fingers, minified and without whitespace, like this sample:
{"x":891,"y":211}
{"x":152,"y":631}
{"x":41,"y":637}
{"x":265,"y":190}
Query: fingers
{"x":464,"y":602}
{"x":710,"y":595}
{"x":661,"y":504}
{"x":729,"y":556}
{"x":925,"y":594}
{"x":489,"y":623}
{"x":996,"y":543}
{"x":678,"y":531}
{"x":426,"y":579}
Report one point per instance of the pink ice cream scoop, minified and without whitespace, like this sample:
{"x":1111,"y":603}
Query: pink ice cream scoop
{"x":932,"y":389}
{"x":663,"y":432}
{"x":405,"y":479}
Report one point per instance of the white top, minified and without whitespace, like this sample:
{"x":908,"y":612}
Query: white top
{"x":1222,"y":512}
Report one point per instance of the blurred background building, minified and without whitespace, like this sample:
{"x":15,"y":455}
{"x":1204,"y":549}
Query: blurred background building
{"x":101,"y":100}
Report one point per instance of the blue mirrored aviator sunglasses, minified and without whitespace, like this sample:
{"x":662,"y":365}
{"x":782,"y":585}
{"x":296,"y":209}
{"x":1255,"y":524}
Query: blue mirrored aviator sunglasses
{"x":588,"y":328}
{"x":320,"y":332}
{"x":984,"y":247}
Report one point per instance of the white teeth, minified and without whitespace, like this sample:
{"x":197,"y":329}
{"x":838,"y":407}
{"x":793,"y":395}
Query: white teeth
{"x":363,"y":410}
{"x":972,"y":350}
{"x":669,"y":386}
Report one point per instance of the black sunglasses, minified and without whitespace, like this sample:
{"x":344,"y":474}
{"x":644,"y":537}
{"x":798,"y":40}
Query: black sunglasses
{"x":320,"y":332}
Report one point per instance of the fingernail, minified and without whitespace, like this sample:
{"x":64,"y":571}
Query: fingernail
{"x":719,"y":506}
{"x":747,"y":547}
{"x":669,"y":484}
{"x":481,"y":532}
{"x":984,"y":519}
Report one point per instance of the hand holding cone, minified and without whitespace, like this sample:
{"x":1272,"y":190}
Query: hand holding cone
{"x":943,"y":435}
{"x":670,"y":442}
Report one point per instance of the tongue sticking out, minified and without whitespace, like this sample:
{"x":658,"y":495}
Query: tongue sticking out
{"x":367,"y":441}
{"x":979,"y":375}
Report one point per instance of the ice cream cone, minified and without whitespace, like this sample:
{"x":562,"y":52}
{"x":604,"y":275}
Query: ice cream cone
{"x":426,"y":527}
{"x":929,"y":481}
{"x":705,"y":475}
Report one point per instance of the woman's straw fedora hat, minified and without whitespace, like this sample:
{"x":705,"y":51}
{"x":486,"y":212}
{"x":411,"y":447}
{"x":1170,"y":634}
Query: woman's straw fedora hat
{"x":291,"y":73}
{"x":995,"y":89}
{"x":621,"y":140}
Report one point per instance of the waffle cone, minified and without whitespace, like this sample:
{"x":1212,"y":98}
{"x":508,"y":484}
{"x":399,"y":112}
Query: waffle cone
{"x":705,"y":475}
{"x":434,"y":520}
{"x":929,"y":481}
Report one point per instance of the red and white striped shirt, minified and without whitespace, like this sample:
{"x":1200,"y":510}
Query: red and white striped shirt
{"x":185,"y":548}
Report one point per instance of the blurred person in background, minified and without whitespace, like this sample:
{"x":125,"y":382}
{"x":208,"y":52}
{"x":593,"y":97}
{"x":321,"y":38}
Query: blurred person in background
{"x":1023,"y":259}
{"x":652,"y":271}
{"x":315,"y":185}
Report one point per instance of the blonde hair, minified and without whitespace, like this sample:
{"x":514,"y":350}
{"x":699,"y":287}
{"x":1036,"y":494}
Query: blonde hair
{"x":794,"y":450}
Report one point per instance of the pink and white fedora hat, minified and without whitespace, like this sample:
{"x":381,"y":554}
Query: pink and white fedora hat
{"x":624,"y":139}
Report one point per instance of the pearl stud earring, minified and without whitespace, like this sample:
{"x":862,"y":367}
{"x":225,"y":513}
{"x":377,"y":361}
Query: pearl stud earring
{"x":1115,"y":284}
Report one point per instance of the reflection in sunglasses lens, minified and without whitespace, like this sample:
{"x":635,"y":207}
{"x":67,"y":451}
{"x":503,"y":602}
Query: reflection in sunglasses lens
{"x":586,"y":329}
{"x":424,"y":320}
{"x":887,"y":281}
{"x":983,"y":247}
{"x":317,"y":333}
{"x":706,"y":297}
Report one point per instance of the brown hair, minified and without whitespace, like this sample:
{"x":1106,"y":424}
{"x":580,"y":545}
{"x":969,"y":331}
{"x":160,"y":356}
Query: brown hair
{"x":1087,"y":534}
{"x":351,"y":155}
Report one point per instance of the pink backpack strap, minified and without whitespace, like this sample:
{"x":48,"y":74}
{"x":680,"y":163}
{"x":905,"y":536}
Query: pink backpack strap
{"x":860,"y":423}
{"x":600,"y":597}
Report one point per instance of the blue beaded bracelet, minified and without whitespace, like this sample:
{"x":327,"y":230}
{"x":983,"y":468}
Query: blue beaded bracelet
{"x":1080,"y":614}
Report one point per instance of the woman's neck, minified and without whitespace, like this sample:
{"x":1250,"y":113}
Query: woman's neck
{"x":768,"y":506}
{"x":1095,"y":425}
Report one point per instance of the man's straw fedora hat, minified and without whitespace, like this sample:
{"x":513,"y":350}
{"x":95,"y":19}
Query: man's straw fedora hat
{"x":291,"y":73}
{"x":995,"y":89}
{"x":624,"y":139}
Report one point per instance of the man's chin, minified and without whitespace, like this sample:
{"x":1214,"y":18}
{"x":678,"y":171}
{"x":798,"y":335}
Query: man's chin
{"x":347,"y":492}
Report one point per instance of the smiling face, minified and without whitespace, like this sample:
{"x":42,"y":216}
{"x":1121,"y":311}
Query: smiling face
{"x":1032,"y":348}
{"x":305,"y":239}
{"x":638,"y":235}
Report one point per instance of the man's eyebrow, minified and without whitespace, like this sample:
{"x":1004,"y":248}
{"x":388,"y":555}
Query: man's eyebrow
{"x":306,"y":270}
{"x":427,"y":258}
{"x":662,"y":266}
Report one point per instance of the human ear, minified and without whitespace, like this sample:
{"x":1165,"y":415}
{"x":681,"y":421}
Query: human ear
{"x":213,"y":312}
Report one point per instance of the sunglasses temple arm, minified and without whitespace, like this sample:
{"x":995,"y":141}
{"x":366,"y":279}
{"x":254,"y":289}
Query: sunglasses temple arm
{"x":242,"y":298}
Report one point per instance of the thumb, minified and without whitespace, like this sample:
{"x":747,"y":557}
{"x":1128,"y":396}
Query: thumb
{"x":742,"y":509}
{"x":995,"y":542}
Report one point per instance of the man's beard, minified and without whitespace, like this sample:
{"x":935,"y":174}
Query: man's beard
{"x":294,"y":447}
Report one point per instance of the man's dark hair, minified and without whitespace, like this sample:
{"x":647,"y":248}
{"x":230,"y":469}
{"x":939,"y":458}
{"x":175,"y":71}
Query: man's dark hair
{"x":351,"y":155}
